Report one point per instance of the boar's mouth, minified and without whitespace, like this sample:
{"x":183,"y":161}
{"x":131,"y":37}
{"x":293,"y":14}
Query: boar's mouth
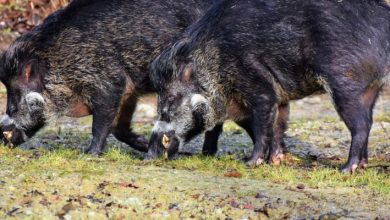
{"x":13,"y":137}
{"x":170,"y":145}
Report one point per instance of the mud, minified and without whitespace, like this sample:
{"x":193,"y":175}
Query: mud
{"x":138,"y":192}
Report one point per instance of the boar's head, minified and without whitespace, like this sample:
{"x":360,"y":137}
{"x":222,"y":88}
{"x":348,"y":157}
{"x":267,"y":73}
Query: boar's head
{"x":23,"y":75}
{"x":183,"y":106}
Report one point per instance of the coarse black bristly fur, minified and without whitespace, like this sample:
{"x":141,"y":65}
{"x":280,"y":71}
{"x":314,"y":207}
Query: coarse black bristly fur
{"x":250,"y":58}
{"x":90,"y":57}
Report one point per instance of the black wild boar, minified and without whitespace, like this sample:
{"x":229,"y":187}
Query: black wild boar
{"x":89,"y":58}
{"x":262,"y":54}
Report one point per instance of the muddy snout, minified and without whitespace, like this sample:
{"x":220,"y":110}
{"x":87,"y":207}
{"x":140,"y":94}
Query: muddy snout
{"x":164,"y":144}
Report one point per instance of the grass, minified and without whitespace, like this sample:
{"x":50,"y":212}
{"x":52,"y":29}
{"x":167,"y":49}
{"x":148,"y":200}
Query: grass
{"x":294,"y":171}
{"x":163,"y":183}
{"x":2,"y":89}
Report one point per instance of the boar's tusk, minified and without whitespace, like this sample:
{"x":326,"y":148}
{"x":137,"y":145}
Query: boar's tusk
{"x":8,"y":135}
{"x":165,"y":141}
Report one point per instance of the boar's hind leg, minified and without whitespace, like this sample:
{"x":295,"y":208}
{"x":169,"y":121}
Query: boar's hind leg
{"x":122,"y":130}
{"x":276,"y":155}
{"x":354,"y":105}
{"x":210,"y":145}
{"x":246,"y":124}
{"x":262,"y":126}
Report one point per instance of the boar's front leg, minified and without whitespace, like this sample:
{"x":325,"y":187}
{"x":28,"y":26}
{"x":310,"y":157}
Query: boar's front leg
{"x":104,"y":108}
{"x":122,"y":130}
{"x":210,"y":145}
{"x":101,"y":127}
{"x":276,"y":153}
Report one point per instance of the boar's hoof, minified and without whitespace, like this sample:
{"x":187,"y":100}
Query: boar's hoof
{"x":276,"y":160}
{"x":93,"y":151}
{"x":363,"y":164}
{"x":349,"y":168}
{"x":254,"y":162}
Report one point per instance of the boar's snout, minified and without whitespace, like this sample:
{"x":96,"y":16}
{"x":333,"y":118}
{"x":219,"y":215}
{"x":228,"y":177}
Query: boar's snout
{"x":164,"y":144}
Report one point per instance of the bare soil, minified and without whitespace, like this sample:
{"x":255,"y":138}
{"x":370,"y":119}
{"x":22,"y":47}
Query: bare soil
{"x":112,"y":189}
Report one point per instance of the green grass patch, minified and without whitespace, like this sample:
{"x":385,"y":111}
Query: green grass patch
{"x":2,"y":89}
{"x":382,"y":117}
{"x":69,"y":161}
{"x":230,"y":126}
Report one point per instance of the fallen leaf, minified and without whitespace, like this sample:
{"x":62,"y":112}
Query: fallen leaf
{"x":128,"y":185}
{"x":173,"y":206}
{"x":300,"y":186}
{"x":195,"y":196}
{"x":260,"y":196}
{"x":26,"y":200}
{"x":35,"y":193}
{"x":233,"y":203}
{"x":44,"y":202}
{"x":102,"y":185}
{"x":233,"y":173}
{"x":249,"y":206}
{"x":54,"y":198}
{"x":65,"y":209}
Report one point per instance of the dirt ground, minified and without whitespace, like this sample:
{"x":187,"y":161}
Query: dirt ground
{"x":49,"y":178}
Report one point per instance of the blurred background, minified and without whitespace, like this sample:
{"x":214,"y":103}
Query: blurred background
{"x":20,"y":16}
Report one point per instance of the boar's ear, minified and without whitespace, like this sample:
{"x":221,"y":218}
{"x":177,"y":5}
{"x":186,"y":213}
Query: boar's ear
{"x":187,"y":73}
{"x":33,"y":72}
{"x":27,"y":71}
{"x":30,"y":70}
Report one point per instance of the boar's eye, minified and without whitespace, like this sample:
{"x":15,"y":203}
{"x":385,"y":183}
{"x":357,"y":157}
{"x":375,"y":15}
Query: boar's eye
{"x":175,"y":98}
{"x":169,"y":107}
